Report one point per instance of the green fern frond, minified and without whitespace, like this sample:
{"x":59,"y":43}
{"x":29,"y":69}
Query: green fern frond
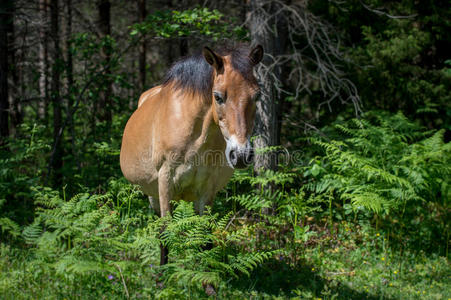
{"x":32,"y":232}
{"x":9,"y":226}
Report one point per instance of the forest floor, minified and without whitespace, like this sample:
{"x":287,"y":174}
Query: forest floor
{"x":351,"y":263}
{"x":356,"y":264}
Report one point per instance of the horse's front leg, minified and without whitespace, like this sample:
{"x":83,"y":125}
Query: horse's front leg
{"x":165,"y":189}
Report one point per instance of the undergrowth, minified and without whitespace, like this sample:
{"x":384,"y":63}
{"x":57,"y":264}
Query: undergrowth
{"x":366,"y":218}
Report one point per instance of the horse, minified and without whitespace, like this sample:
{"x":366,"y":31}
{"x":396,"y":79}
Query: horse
{"x":189,"y":134}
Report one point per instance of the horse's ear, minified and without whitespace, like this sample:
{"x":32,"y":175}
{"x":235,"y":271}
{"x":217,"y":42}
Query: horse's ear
{"x":256,"y":54}
{"x":213,"y":59}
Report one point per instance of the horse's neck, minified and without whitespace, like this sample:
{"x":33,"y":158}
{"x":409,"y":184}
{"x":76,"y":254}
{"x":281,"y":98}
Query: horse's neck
{"x":210,"y":136}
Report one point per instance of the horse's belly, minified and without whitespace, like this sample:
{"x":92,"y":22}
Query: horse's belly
{"x":200,"y":183}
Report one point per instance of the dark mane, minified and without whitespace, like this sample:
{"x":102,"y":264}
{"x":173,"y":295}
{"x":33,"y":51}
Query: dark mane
{"x":194,"y":74}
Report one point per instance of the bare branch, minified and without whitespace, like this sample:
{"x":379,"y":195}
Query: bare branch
{"x":315,"y":63}
{"x":383,"y":13}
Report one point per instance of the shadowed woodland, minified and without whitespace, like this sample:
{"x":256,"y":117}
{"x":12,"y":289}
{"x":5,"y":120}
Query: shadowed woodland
{"x":349,"y":193}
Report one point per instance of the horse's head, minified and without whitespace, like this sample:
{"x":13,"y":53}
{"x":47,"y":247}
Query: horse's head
{"x":233,"y":100}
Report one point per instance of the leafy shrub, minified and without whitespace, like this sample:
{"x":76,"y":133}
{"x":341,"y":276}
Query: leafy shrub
{"x":388,"y":166}
{"x":191,"y":22}
{"x":22,"y":161}
{"x":187,"y":235}
{"x":101,"y":237}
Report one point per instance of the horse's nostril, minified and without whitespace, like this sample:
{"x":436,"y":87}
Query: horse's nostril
{"x":233,"y":157}
{"x":240,"y":158}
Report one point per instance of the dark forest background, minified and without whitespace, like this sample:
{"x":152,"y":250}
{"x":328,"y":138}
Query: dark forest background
{"x":357,"y":92}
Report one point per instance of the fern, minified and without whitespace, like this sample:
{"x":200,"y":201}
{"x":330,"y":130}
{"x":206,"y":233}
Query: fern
{"x":251,"y":201}
{"x":186,"y":235}
{"x":9,"y":226}
{"x":32,"y":232}
{"x":383,"y":163}
{"x":246,"y":262}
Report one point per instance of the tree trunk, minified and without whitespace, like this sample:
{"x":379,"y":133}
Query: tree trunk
{"x":183,"y":46}
{"x":57,"y":155}
{"x":5,"y":20}
{"x":43,"y":60}
{"x":70,"y":81}
{"x":69,"y":63}
{"x":270,"y":34}
{"x":105,"y":103}
{"x":15,"y":115}
{"x":272,"y":39}
{"x":142,"y":13}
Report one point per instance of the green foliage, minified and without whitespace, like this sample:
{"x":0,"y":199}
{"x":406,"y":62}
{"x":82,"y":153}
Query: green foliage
{"x":396,"y":53}
{"x":21,"y":163}
{"x":355,"y":263}
{"x":382,"y":166}
{"x":318,"y":240}
{"x":388,"y":166}
{"x":113,"y":235}
{"x":187,"y":23}
{"x":187,"y":234}
{"x":7,"y":225}
{"x":90,"y":237}
{"x":397,"y":50}
{"x":88,"y":233}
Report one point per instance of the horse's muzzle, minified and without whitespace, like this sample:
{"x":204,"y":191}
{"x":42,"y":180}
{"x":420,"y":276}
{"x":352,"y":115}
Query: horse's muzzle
{"x":240,"y":157}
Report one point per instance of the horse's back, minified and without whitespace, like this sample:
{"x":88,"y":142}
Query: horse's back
{"x":148,"y":94}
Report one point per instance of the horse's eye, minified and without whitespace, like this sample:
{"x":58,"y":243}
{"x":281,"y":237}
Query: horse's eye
{"x":219,"y":98}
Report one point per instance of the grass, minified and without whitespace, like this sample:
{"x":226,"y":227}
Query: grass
{"x":355,"y":263}
{"x":361,"y":264}
{"x":351,"y":262}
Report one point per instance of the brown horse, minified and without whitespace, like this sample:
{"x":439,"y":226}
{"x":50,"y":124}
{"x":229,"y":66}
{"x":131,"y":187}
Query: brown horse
{"x":189,"y":133}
